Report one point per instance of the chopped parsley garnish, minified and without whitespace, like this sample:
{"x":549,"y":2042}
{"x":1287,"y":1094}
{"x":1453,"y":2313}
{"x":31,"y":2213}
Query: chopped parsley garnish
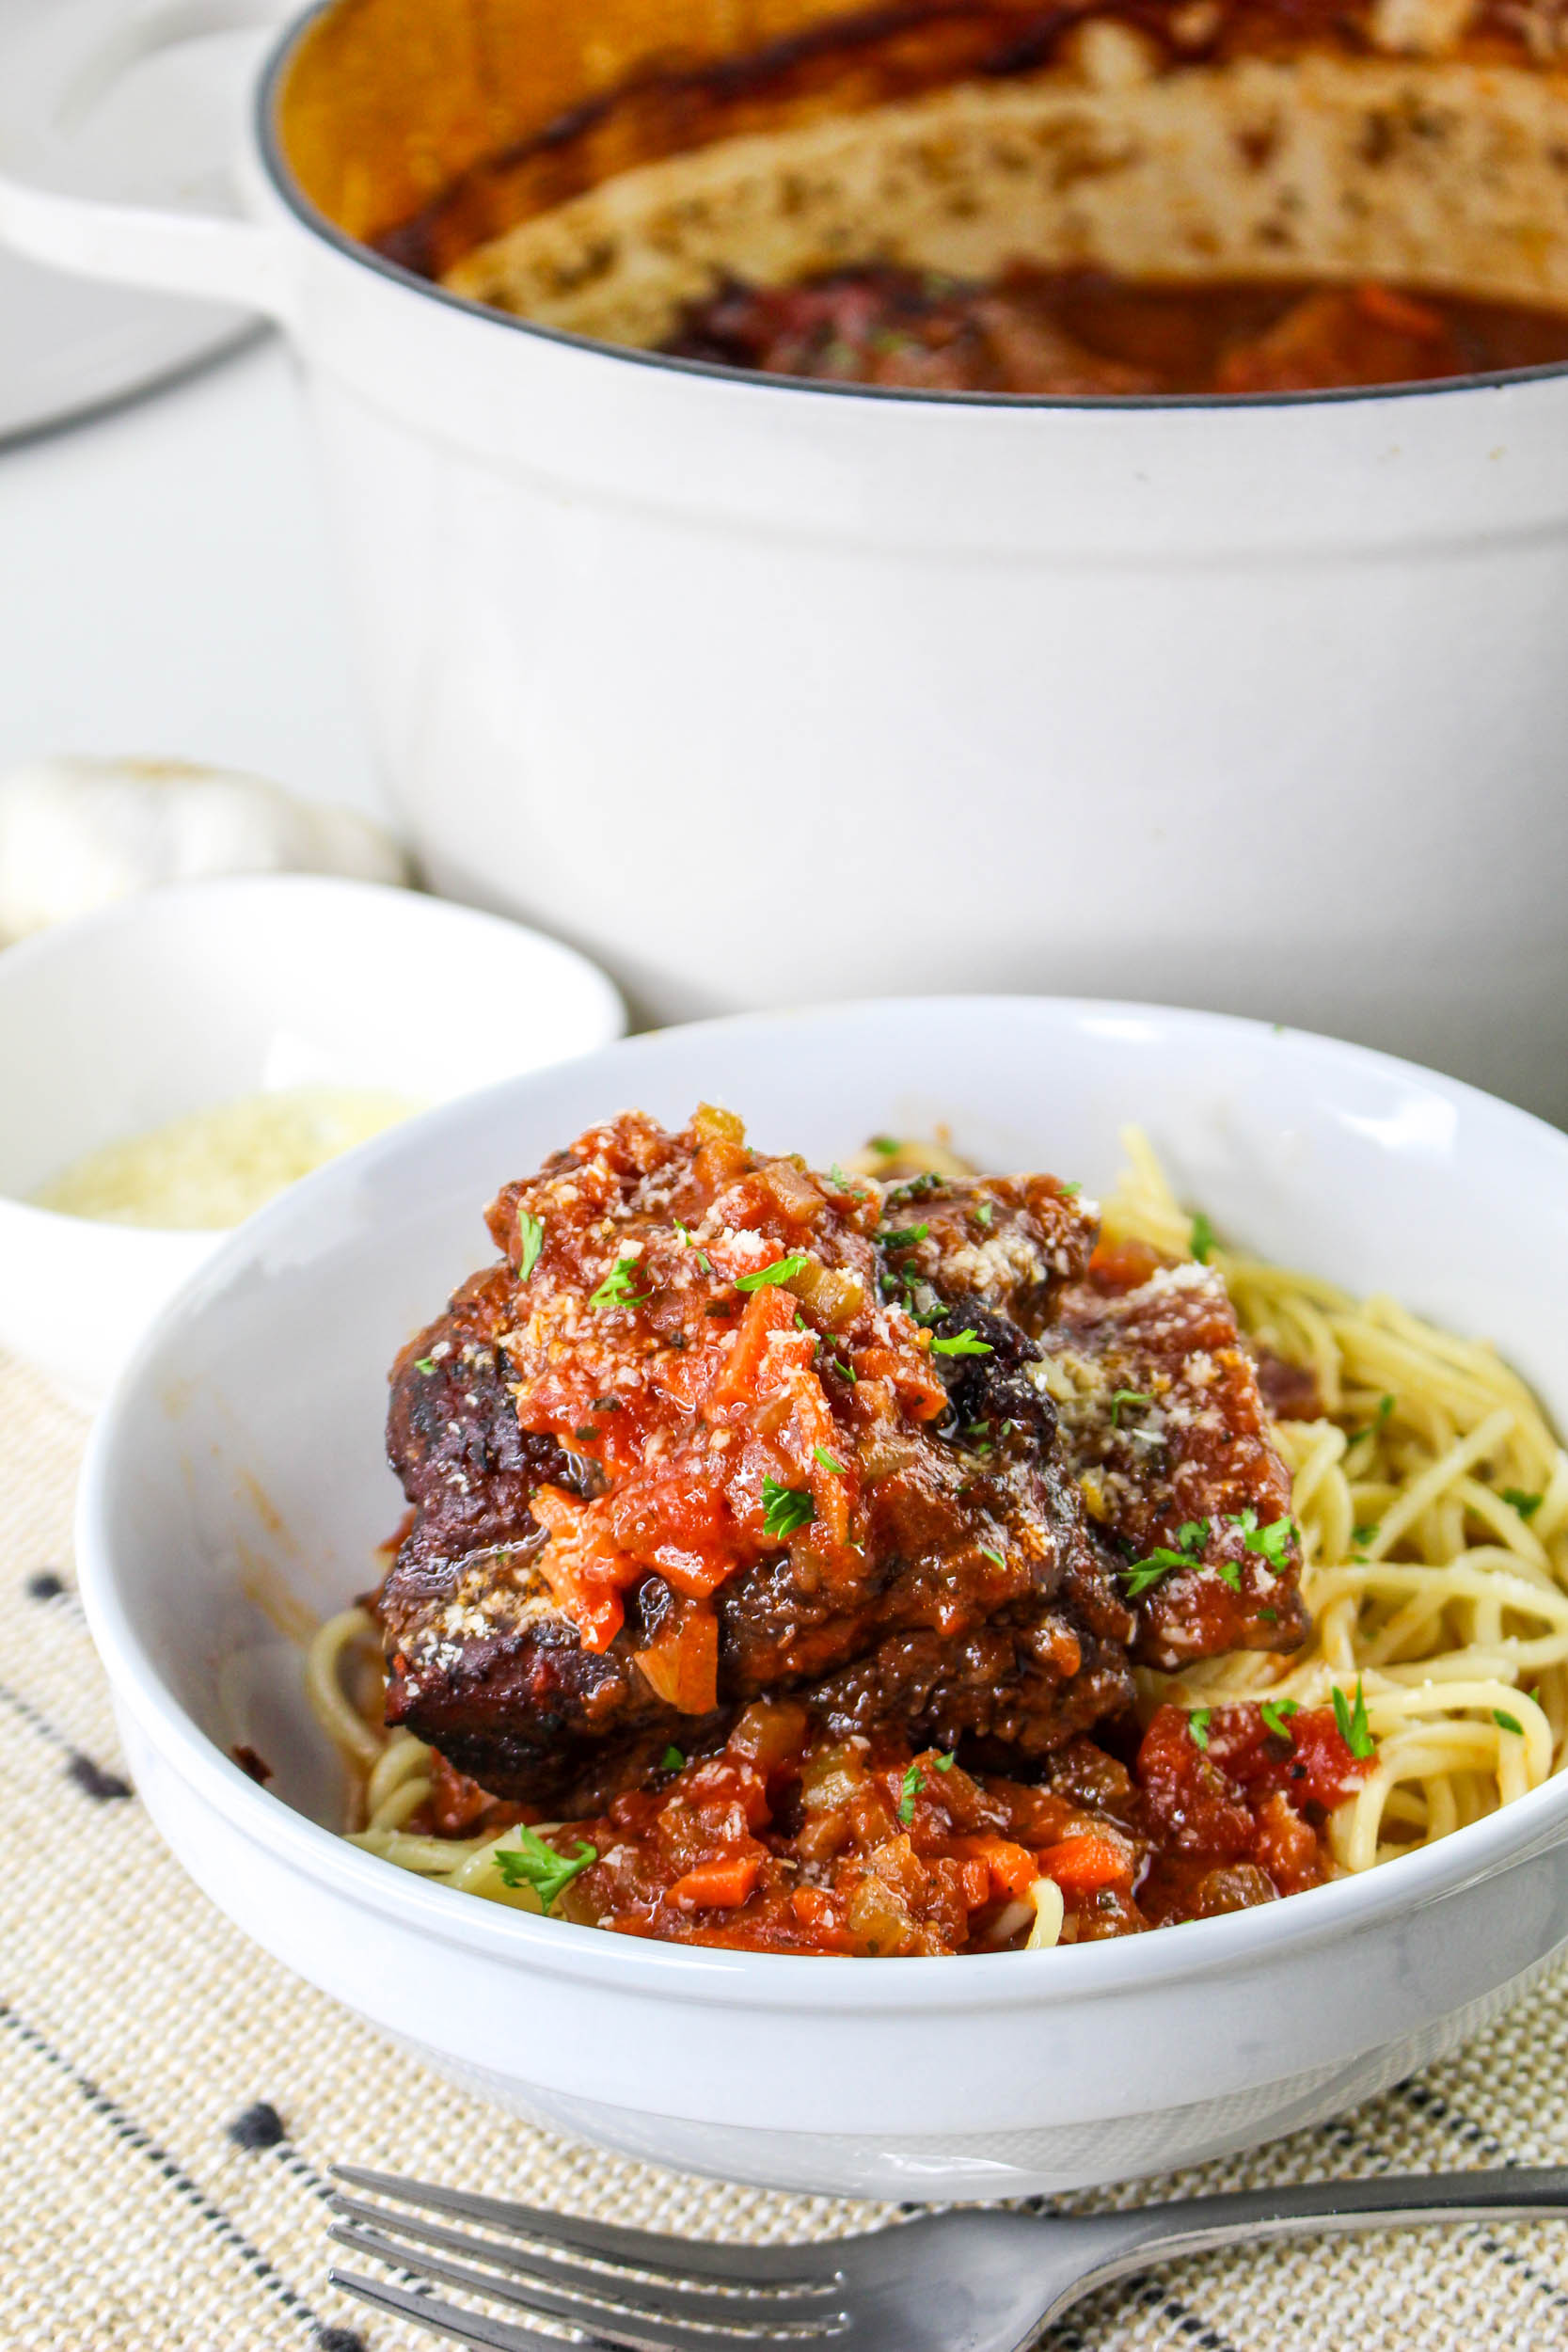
{"x":1364,"y":1533}
{"x":1070,"y":1192}
{"x":1371,"y":1428}
{"x":531,"y":1233}
{"x":616,"y":1288}
{"x":531,"y":1863}
{"x":605,"y":1404}
{"x":821,"y":1454}
{"x":1228,"y":1573}
{"x":1197,"y":1725}
{"x":426,"y":1364}
{"x":785,"y":1509}
{"x":846,"y":1184}
{"x":1126,"y":1396}
{"x":1526,"y":1505}
{"x":1268,"y":1617}
{"x":671,"y":1761}
{"x":888,"y":1145}
{"x":945,"y":1763}
{"x":913,"y":1782}
{"x":1203,"y":1238}
{"x":902,"y":1236}
{"x":586,"y":1429}
{"x":844,"y":1371}
{"x":1272,"y":1541}
{"x":965,"y":1343}
{"x":1276,"y":1714}
{"x":988,"y":1554}
{"x":782,"y":1270}
{"x":1353,"y":1722}
{"x":983,"y":1214}
{"x":1143,"y":1575}
{"x":687,"y":1242}
{"x":1507,"y":1722}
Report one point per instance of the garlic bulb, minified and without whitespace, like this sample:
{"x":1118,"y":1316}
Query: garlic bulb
{"x":77,"y":834}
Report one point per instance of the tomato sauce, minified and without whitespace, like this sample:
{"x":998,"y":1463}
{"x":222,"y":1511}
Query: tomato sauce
{"x":1087,"y":335}
{"x":870,"y":1848}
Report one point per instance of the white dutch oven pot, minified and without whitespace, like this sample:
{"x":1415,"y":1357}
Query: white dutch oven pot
{"x":766,"y":691}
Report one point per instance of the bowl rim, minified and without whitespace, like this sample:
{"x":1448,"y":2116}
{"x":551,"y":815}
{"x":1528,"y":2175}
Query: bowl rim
{"x":747,"y":382}
{"x":769,"y":1980}
{"x":58,"y":942}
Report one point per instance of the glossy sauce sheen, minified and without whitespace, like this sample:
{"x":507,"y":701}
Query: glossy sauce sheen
{"x":784,"y":1530}
{"x":1080,"y":335}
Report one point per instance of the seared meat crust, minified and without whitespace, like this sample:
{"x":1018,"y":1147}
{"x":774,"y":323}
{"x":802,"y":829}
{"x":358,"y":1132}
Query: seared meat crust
{"x":1164,"y":1423}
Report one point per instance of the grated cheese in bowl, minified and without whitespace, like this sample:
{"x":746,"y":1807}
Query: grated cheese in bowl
{"x":213,"y":1168}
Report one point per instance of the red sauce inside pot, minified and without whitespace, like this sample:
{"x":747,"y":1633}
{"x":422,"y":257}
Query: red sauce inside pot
{"x":1082,"y":334}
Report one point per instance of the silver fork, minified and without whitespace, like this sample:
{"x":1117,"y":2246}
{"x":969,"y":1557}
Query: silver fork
{"x":974,"y":2281}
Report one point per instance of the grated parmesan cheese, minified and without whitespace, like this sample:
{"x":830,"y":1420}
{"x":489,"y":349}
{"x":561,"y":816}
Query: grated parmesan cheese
{"x":215,"y":1167}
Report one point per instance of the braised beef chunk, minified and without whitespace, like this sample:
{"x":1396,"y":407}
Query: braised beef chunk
{"x":720,"y":1428}
{"x":1165,"y":1424}
{"x":466,"y":1463}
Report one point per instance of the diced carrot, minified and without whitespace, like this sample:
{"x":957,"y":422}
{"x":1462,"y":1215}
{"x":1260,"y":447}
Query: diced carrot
{"x":717,"y":1885}
{"x":916,"y":1385}
{"x":812,"y":1905}
{"x":583,"y":1577}
{"x":1080,"y":1865}
{"x":1390,"y":308}
{"x":767,"y":1311}
{"x":684,"y":1671}
{"x":1011,"y":1868}
{"x":975,"y":1879}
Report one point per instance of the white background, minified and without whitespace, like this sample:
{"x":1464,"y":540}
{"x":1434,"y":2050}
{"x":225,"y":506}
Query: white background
{"x":165,"y":588}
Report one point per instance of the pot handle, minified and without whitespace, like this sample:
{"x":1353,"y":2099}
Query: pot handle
{"x":70,"y":57}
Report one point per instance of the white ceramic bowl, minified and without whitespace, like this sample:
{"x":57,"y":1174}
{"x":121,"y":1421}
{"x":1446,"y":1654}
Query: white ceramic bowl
{"x":249,"y":1428}
{"x":188,"y":996}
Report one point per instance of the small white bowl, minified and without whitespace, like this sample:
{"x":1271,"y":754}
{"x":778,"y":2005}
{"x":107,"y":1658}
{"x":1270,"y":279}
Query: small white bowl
{"x":188,"y":996}
{"x":246,"y":1438}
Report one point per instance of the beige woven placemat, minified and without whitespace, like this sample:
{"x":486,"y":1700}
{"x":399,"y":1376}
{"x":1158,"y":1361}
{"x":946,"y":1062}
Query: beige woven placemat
{"x":170,"y":2100}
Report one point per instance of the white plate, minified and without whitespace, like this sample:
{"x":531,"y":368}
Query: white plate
{"x":67,"y":348}
{"x":69,"y":345}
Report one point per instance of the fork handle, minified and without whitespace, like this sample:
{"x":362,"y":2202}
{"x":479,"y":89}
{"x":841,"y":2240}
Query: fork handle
{"x":1115,"y":2243}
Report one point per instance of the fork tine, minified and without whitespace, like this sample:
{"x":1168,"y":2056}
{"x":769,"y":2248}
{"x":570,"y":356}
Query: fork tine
{"x":803,"y":2267}
{"x":628,"y":2331}
{"x":721,"y":2305}
{"x":445,"y":2319}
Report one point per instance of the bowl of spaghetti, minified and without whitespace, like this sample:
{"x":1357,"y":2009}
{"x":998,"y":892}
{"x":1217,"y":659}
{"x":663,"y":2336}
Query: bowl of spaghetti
{"x":1127,"y":1606}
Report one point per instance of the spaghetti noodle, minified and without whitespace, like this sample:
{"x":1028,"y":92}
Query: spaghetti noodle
{"x":1431,"y":1498}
